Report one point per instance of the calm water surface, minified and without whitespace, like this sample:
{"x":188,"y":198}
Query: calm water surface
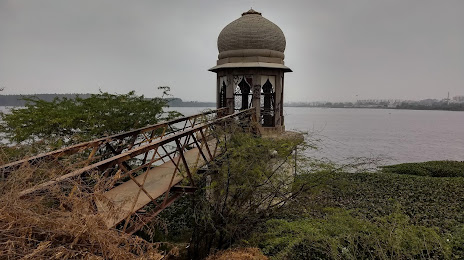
{"x":395,"y":135}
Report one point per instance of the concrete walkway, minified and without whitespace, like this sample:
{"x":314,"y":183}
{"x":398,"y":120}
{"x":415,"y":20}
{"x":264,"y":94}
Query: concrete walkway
{"x":127,"y":198}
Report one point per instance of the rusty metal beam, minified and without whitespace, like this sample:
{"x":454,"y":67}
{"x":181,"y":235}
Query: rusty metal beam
{"x":134,"y":152}
{"x":7,"y":168}
{"x":169,"y":193}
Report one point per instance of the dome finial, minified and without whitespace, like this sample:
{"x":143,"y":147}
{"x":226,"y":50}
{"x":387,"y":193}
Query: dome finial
{"x":251,"y":11}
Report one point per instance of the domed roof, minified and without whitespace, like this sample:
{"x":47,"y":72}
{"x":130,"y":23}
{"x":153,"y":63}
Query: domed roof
{"x":251,"y":31}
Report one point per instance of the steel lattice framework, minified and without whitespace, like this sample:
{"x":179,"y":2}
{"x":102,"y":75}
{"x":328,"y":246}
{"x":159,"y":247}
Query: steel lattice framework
{"x":147,"y":168}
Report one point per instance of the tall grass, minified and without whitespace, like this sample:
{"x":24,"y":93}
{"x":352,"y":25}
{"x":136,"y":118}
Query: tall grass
{"x":61,"y":222}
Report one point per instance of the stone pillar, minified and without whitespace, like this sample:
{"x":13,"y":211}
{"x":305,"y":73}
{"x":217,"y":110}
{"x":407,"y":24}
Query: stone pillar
{"x":256,"y":98}
{"x":281,"y":77}
{"x":278,"y":100}
{"x":218,"y":90}
{"x":230,"y":93}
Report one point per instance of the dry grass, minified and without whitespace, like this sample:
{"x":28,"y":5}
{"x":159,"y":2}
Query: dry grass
{"x":239,"y":254}
{"x":60,"y":223}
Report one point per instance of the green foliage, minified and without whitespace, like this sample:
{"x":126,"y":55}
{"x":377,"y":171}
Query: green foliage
{"x":424,"y":208}
{"x":340,"y":235}
{"x":174,"y":224}
{"x":252,"y":180}
{"x":428,"y":201}
{"x":14,"y":153}
{"x":432,"y":168}
{"x":456,"y":237}
{"x":67,"y":121}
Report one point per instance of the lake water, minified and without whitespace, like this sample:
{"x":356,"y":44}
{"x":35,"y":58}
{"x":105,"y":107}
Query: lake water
{"x":395,"y":135}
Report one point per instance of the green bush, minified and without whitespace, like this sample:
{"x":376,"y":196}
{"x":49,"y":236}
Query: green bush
{"x":340,"y":235}
{"x":456,"y":237}
{"x":65,"y":121}
{"x":432,"y":168}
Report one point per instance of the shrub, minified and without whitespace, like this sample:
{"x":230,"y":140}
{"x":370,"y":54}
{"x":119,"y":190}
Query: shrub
{"x":247,"y":185}
{"x":342,"y":236}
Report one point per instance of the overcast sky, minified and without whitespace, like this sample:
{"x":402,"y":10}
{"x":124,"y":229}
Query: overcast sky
{"x":339,"y":50}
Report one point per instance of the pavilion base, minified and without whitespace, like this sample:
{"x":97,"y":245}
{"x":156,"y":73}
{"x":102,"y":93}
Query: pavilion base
{"x":271,"y":130}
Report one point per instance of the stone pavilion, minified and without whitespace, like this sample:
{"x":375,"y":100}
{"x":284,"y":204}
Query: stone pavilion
{"x":250,"y":69}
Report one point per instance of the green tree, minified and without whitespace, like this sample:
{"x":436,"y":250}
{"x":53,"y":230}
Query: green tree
{"x":66,"y":121}
{"x":252,"y":181}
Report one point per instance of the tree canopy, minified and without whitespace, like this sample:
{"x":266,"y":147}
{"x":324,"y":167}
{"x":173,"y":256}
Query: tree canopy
{"x":71,"y":120}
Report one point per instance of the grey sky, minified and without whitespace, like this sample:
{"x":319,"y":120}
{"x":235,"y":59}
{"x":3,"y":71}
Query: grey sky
{"x":406,"y":49}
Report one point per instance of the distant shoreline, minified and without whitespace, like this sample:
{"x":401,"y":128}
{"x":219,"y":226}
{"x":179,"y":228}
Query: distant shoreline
{"x":387,"y":108}
{"x":196,"y":104}
{"x":16,"y":101}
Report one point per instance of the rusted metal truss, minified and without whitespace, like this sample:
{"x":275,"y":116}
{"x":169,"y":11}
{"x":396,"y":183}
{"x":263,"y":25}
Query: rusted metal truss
{"x":86,"y":153}
{"x":152,"y":170}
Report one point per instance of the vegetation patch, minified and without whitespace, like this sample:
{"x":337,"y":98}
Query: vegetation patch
{"x":427,"y":201}
{"x":340,"y":235}
{"x":432,"y":168}
{"x":58,"y":225}
{"x":65,"y":121}
{"x":369,"y":215}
